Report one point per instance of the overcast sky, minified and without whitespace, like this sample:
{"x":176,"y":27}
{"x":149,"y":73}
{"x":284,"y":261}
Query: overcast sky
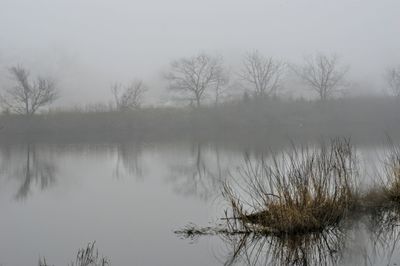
{"x":88,"y":44}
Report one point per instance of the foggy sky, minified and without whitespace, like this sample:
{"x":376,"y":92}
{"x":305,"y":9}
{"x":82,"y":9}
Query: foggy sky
{"x":89,"y":44}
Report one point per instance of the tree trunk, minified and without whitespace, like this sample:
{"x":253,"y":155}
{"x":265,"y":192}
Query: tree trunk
{"x":197,"y":101}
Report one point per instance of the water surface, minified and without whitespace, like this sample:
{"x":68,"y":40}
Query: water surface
{"x":130,"y":197}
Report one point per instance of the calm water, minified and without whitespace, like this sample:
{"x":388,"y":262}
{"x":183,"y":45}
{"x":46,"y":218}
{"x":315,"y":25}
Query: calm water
{"x":130,"y":198}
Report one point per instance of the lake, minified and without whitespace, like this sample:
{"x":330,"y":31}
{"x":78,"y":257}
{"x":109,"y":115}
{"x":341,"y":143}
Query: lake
{"x":131,"y":197}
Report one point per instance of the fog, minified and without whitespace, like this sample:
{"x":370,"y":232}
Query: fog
{"x":87,"y":45}
{"x":213,"y":132}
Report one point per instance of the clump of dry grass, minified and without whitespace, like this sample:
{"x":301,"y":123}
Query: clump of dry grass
{"x":88,"y":256}
{"x":303,"y":191}
{"x":391,"y":188}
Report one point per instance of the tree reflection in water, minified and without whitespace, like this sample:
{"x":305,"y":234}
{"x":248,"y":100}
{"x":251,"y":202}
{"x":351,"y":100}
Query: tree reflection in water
{"x":199,"y":175}
{"x":128,"y":160}
{"x":31,"y":168}
{"x":36,"y":171}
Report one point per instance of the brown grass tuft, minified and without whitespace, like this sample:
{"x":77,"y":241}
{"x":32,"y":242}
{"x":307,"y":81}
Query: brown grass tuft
{"x":391,"y":188}
{"x":306,"y":190}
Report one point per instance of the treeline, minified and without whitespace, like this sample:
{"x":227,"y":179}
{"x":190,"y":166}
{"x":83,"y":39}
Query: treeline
{"x":203,"y":79}
{"x":251,"y":121}
{"x":211,"y":110}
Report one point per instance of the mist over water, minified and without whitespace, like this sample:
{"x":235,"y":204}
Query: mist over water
{"x":128,"y":125}
{"x":88,"y":45}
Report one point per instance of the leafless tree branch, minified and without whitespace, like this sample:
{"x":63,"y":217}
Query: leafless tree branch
{"x":262,"y":73}
{"x":322,"y":74}
{"x":129,"y":97}
{"x":26,"y":97}
{"x":196,"y":75}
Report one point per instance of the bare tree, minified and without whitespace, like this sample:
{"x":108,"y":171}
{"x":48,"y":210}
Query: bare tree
{"x":262,"y":73}
{"x":194,"y":76}
{"x":393,"y":80}
{"x":129,"y":97}
{"x":322,"y":74}
{"x":26,"y":97}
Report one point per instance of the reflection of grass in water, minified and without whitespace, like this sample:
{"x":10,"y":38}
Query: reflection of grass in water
{"x":305,"y":191}
{"x":88,"y":256}
{"x":314,"y":248}
{"x":257,"y":248}
{"x":382,"y":206}
{"x":383,"y":228}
